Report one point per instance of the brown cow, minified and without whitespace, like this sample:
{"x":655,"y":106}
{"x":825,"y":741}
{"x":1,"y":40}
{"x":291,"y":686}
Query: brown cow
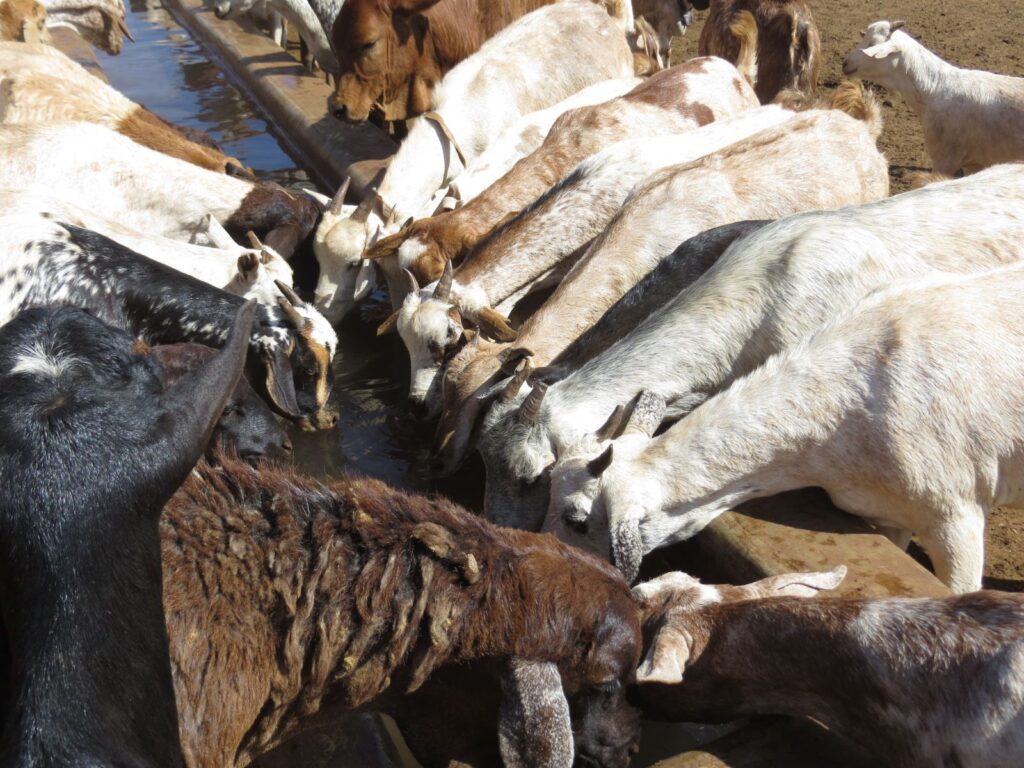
{"x":393,"y":52}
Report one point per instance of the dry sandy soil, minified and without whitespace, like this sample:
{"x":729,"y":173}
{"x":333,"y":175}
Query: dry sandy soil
{"x":978,"y":35}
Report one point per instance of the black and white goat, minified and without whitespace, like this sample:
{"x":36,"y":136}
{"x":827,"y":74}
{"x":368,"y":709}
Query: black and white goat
{"x":91,"y":446}
{"x":43,"y":262}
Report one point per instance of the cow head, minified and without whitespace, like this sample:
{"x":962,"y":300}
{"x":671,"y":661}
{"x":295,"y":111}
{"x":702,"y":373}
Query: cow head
{"x":386,"y":57}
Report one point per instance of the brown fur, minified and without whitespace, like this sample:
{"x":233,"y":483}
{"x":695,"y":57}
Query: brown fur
{"x":145,"y":128}
{"x":23,"y":21}
{"x":418,"y":41}
{"x":280,"y":218}
{"x":788,"y":49}
{"x":286,"y":598}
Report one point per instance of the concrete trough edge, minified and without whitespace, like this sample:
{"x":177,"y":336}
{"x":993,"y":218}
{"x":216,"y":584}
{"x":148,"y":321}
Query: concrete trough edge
{"x":294,"y":99}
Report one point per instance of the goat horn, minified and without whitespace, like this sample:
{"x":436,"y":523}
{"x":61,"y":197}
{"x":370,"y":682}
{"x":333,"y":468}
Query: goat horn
{"x":597,"y":466}
{"x":897,"y":25}
{"x":365,"y":207}
{"x":610,"y":429}
{"x":508,"y":394}
{"x":254,"y":242}
{"x":124,"y":29}
{"x":289,"y":294}
{"x":495,"y":326}
{"x":453,"y":191}
{"x":339,"y":197}
{"x":648,"y":412}
{"x":444,"y":285}
{"x":294,"y":317}
{"x":411,"y":283}
{"x":405,"y":227}
{"x":530,"y":409}
{"x":389,"y":325}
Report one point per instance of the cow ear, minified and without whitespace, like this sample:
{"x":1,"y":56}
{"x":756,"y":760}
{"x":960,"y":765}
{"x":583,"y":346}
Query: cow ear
{"x":533,"y":720}
{"x":409,"y":7}
{"x":666,"y":658}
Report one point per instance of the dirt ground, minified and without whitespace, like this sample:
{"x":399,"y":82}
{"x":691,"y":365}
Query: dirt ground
{"x":968,"y":34}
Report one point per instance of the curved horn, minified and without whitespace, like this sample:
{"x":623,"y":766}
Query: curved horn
{"x":254,"y":242}
{"x":444,"y":285}
{"x":530,"y":409}
{"x":647,"y":413}
{"x":289,"y":294}
{"x":124,"y":29}
{"x":610,"y":429}
{"x":294,"y":318}
{"x":515,"y":384}
{"x":495,"y":325}
{"x":410,"y":280}
{"x":339,"y":197}
{"x":597,"y":465}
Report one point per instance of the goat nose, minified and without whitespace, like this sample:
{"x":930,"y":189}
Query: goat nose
{"x":341,"y":112}
{"x":286,"y":445}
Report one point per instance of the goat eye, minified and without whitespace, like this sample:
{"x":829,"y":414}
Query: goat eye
{"x":369,"y":45}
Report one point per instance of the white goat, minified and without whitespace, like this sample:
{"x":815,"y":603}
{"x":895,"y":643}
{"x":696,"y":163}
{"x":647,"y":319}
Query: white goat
{"x":905,"y":411}
{"x":794,"y":276}
{"x":920,"y":682}
{"x":972,"y":119}
{"x":535,"y":62}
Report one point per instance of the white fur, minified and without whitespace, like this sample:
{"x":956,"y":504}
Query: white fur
{"x":972,"y":119}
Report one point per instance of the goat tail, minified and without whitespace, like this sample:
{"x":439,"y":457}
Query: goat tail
{"x":855,"y":100}
{"x":744,"y":29}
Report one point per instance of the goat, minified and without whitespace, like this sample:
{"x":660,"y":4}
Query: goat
{"x":91,"y":447}
{"x":100,"y":23}
{"x":971,"y":119}
{"x":38,"y":88}
{"x":518,"y":257}
{"x":150,"y":191}
{"x":518,"y":140}
{"x":252,"y":273}
{"x":673,"y":101}
{"x":382,"y":593}
{"x":839,"y":165}
{"x":918,"y":682}
{"x":23,"y":21}
{"x":659,"y":20}
{"x":522,"y":69}
{"x":300,"y":14}
{"x":246,"y":426}
{"x":795,"y":275}
{"x":891,"y":437}
{"x":47,"y":262}
{"x":782,"y":31}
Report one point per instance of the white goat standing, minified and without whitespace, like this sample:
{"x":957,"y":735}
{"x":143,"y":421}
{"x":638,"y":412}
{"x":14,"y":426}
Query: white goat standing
{"x":972,"y":119}
{"x":906,"y":411}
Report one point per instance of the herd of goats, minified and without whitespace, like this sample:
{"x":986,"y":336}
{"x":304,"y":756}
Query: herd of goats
{"x":735,"y":307}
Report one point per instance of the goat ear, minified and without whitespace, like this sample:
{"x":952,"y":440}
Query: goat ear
{"x":196,"y":402}
{"x":534,"y":727}
{"x":280,"y":384}
{"x":411,"y":6}
{"x":881,"y":50}
{"x":797,"y":584}
{"x":666,"y":658}
{"x":366,"y":280}
{"x":496,"y":326}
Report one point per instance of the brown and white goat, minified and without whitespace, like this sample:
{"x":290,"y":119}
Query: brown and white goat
{"x":287,"y":599}
{"x":918,"y":682}
{"x":675,"y":100}
{"x":786,"y":38}
{"x":42,"y":88}
{"x":819,"y":159}
{"x":23,"y":21}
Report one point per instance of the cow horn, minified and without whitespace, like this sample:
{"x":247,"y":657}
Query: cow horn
{"x":508,"y":394}
{"x":254,"y":242}
{"x":530,"y":409}
{"x":289,"y":294}
{"x":365,"y":207}
{"x":444,"y":285}
{"x":410,"y":279}
{"x":495,"y":326}
{"x":339,"y":197}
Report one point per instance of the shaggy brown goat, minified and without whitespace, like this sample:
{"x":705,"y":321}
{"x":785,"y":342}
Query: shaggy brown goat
{"x":286,"y":598}
{"x":788,"y":43}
